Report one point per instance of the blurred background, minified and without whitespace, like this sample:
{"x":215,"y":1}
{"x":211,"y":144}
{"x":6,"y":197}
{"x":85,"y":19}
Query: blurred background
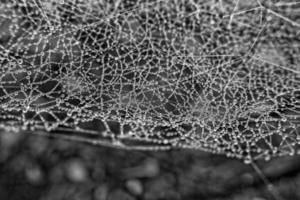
{"x":35,"y":167}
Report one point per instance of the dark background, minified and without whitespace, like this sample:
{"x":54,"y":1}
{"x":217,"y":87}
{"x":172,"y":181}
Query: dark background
{"x":35,"y":167}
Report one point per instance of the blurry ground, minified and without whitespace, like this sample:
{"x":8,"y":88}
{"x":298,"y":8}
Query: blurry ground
{"x":35,"y":167}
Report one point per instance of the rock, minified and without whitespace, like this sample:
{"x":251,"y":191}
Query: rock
{"x":149,"y":169}
{"x":120,"y":195}
{"x":134,"y":186}
{"x":76,"y":171}
{"x":34,"y":175}
{"x":101,"y":192}
{"x":162,"y":187}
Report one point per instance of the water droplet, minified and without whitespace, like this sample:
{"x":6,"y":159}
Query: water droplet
{"x":284,"y":119}
{"x":248,"y":160}
{"x":267,"y":158}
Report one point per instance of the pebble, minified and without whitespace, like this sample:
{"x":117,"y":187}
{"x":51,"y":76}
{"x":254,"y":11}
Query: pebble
{"x":34,"y":175}
{"x":120,"y":195}
{"x":76,"y":171}
{"x":134,"y":186}
{"x":149,"y":169}
{"x":101,"y":192}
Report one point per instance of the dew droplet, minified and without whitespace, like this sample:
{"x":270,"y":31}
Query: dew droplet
{"x":248,"y":160}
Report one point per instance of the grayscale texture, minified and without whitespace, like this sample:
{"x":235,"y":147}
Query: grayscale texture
{"x":218,"y":76}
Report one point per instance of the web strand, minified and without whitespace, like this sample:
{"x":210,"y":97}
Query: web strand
{"x":221,"y":77}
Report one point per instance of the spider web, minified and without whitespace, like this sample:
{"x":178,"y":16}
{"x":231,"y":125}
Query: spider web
{"x":220,"y":76}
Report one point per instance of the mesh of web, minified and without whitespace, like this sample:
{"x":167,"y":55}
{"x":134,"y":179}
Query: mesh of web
{"x":220,"y":76}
